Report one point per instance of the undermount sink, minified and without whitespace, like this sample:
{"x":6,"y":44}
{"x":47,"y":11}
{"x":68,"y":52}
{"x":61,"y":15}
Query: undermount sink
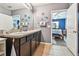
{"x":16,"y":33}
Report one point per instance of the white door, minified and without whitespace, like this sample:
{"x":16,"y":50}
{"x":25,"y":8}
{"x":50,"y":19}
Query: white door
{"x":71,"y":26}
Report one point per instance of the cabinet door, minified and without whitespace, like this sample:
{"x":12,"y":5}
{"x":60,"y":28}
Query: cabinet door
{"x":2,"y":47}
{"x":33,"y":45}
{"x":36,"y":40}
{"x":8,"y":46}
{"x":17,"y":46}
{"x":25,"y":49}
{"x":39,"y":37}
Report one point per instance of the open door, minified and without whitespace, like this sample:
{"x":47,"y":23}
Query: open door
{"x":71,"y":26}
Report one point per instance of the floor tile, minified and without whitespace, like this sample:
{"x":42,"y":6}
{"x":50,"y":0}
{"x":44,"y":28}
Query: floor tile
{"x":59,"y":51}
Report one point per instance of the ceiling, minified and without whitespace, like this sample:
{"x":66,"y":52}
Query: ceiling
{"x":15,"y":6}
{"x":39,"y":4}
{"x":12,"y":6}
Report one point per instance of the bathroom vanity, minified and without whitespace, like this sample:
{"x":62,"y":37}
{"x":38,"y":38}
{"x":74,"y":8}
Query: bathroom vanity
{"x":24,"y":42}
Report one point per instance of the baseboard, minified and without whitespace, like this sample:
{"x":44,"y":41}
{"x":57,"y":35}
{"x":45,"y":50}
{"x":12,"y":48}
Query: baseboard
{"x":45,"y":43}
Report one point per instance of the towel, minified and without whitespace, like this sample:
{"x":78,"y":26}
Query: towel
{"x":13,"y":53}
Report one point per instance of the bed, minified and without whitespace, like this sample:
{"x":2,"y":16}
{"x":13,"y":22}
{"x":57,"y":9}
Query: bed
{"x":57,"y":33}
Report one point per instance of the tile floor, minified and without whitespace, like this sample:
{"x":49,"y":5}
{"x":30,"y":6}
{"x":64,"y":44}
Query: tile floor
{"x":57,"y":50}
{"x":58,"y":41}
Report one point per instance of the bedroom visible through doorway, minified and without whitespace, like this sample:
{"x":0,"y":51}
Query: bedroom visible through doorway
{"x":58,"y":27}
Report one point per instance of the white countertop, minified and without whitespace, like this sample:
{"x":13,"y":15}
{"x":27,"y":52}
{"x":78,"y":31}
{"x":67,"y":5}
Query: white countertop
{"x":20,"y":34}
{"x":1,"y":39}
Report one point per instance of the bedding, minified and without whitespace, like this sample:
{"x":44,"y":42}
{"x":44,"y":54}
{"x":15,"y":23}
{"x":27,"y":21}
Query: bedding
{"x":56,"y":31}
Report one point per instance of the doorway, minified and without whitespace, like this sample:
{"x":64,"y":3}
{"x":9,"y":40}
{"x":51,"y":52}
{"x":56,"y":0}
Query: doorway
{"x":58,"y":27}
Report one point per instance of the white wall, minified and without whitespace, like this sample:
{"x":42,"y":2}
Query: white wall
{"x":46,"y":32}
{"x":5,"y":22}
{"x":5,"y":19}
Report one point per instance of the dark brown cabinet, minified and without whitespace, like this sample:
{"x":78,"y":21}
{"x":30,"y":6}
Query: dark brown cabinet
{"x":8,"y":46}
{"x":17,"y":46}
{"x":22,"y":46}
{"x":33,"y":46}
{"x":26,"y":46}
{"x":25,"y":49}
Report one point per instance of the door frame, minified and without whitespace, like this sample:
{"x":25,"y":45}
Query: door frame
{"x":51,"y":19}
